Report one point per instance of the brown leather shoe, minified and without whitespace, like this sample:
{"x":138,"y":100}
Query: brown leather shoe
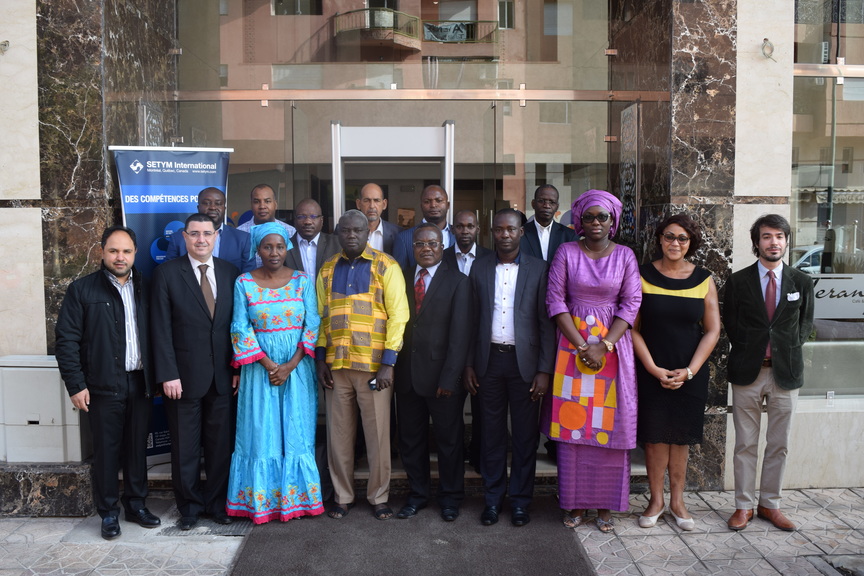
{"x":740,"y":519}
{"x":776,"y":518}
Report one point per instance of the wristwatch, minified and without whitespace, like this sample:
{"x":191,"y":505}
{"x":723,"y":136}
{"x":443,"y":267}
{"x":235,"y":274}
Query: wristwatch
{"x":689,"y":373}
{"x":609,"y":345}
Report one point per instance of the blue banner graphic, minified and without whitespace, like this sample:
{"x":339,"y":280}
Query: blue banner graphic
{"x":159,"y":188}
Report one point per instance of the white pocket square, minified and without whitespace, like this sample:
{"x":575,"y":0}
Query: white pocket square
{"x":793,"y":296}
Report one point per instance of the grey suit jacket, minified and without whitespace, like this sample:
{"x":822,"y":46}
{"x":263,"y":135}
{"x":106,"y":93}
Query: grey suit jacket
{"x":530,"y":243}
{"x":328,"y":245}
{"x":535,"y":332}
{"x":749,"y":330}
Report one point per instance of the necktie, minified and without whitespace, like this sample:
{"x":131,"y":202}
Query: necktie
{"x":770,"y":302}
{"x":420,"y":289}
{"x":206,"y":289}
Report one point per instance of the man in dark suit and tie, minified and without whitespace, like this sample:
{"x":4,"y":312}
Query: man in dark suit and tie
{"x":434,"y":204}
{"x":372,"y":203}
{"x":768,"y":315}
{"x":544,"y":235}
{"x":509,"y":367}
{"x":191,"y":321}
{"x":230,"y":244}
{"x":428,"y":373}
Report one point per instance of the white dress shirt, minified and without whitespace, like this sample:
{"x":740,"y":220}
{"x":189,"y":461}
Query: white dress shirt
{"x":376,"y":237}
{"x":133,"y":345}
{"x":503,"y":326}
{"x":466,"y":259}
{"x":211,"y":272}
{"x":309,"y":253}
{"x":543,"y":233}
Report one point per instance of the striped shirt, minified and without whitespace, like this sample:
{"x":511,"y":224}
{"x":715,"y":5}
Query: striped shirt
{"x":133,"y":345}
{"x":363,"y":308}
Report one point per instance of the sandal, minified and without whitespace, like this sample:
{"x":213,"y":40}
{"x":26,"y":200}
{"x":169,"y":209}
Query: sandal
{"x":337,"y":512}
{"x":382,"y":511}
{"x":572,"y":521}
{"x":605,"y":526}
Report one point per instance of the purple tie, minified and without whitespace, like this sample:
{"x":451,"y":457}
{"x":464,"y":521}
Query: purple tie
{"x":770,"y":303}
{"x":420,"y":289}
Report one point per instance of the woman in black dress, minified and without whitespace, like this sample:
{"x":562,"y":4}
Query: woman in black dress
{"x":677,"y":328}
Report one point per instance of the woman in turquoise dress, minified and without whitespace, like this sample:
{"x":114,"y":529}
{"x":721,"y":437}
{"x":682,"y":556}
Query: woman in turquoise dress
{"x":274,"y":330}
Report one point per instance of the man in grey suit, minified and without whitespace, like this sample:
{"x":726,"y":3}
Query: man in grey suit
{"x":544,"y":235}
{"x":768,"y":315}
{"x":311,"y":246}
{"x":372,"y":203}
{"x":191,"y":307}
{"x":508,"y":367}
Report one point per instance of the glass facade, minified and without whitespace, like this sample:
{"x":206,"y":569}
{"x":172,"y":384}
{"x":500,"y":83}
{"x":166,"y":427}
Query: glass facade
{"x":827,"y":197}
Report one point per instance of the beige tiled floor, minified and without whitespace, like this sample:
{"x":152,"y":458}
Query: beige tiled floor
{"x":831,"y":524}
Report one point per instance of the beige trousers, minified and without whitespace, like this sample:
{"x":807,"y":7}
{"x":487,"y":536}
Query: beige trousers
{"x":350,"y":391}
{"x":747,"y":417}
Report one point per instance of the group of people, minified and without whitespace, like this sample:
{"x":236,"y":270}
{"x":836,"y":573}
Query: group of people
{"x":557,"y":327}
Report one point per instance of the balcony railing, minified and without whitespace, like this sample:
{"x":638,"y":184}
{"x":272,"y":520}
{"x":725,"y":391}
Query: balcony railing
{"x":378,"y":19}
{"x":473,"y":31}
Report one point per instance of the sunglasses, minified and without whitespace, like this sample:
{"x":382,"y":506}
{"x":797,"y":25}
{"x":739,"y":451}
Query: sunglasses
{"x":601,"y":217}
{"x":681,"y":238}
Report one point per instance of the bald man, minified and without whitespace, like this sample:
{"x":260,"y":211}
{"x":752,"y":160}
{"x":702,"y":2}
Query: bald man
{"x":372,"y":203}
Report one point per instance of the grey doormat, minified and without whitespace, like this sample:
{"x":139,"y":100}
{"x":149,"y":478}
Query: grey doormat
{"x":423,"y":545}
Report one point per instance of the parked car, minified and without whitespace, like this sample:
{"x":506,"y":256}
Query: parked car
{"x":807,"y":258}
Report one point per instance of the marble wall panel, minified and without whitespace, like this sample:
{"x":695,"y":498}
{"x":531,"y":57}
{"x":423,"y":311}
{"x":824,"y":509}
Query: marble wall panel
{"x":98,"y":62}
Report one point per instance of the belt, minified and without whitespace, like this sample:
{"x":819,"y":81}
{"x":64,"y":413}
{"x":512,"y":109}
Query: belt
{"x":766,"y":362}
{"x":503,"y":347}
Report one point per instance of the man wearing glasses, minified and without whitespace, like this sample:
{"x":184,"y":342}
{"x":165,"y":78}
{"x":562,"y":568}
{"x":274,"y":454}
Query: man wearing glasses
{"x":230,"y":244}
{"x":428,"y":376}
{"x":191,"y":308}
{"x":544,"y":235}
{"x":311,"y":246}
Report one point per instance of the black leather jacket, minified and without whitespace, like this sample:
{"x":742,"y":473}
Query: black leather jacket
{"x":91,"y":335}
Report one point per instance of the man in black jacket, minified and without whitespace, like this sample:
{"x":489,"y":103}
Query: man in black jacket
{"x":104,"y":358}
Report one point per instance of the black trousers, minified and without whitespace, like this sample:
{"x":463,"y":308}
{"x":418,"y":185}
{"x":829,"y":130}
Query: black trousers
{"x":502,"y":389}
{"x":448,"y":427}
{"x":120,"y":424}
{"x":201,"y":423}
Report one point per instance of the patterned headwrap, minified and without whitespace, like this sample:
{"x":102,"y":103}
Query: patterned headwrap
{"x":259,"y":231}
{"x":596,"y":198}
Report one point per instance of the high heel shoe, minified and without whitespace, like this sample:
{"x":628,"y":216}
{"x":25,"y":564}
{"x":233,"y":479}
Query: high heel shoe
{"x":685,"y":524}
{"x":649,"y":521}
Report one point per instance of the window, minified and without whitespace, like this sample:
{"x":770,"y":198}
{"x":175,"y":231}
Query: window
{"x":505,"y":14}
{"x":846,"y":163}
{"x":391,"y":4}
{"x":297,"y":7}
{"x":223,"y":75}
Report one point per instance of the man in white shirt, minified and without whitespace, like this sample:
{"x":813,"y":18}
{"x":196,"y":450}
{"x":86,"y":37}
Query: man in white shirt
{"x":435,"y":205}
{"x":543,"y":235}
{"x":372,"y":203}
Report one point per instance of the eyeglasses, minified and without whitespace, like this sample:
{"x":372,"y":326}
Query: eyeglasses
{"x":432,"y":245}
{"x":681,"y":238}
{"x":546,"y":202}
{"x":601,"y":217}
{"x":302,"y":217}
{"x":196,"y":235}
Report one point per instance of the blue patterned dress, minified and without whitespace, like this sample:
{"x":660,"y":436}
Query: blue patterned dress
{"x":273,"y":471}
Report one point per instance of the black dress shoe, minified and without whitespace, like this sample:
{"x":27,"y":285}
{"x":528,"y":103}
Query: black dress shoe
{"x":519,"y":517}
{"x":187,"y":522}
{"x":223,"y":519}
{"x":143,"y":517}
{"x":110,"y":527}
{"x":408,"y":511}
{"x":449,"y":513}
{"x":489,"y":515}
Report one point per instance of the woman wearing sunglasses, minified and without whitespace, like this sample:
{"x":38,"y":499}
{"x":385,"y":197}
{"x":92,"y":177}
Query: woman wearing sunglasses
{"x":593,"y":296}
{"x":677,"y":328}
